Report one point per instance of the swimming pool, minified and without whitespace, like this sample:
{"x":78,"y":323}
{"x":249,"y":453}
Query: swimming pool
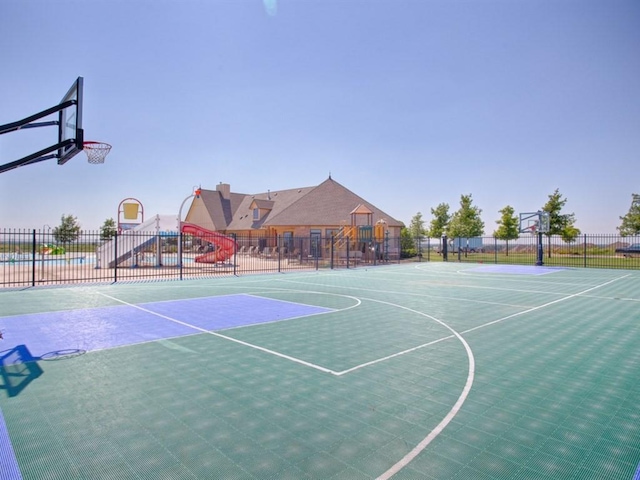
{"x":27,"y":258}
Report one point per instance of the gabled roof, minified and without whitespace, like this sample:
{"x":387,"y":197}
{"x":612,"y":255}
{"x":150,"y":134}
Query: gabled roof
{"x":361,"y":210}
{"x":326,"y":204}
{"x":221,"y":210}
{"x":281,"y":199}
{"x":262,"y":204}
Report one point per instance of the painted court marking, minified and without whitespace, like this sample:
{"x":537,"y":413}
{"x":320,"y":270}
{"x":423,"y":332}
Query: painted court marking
{"x":120,"y":325}
{"x":514,"y":269}
{"x":9,"y":469}
{"x":404,"y":461}
{"x":6,"y":457}
{"x":452,"y":413}
{"x":235,"y":340}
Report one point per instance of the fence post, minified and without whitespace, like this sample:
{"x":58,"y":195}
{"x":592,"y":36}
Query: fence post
{"x":585,"y":250}
{"x":445,"y":252}
{"x":348,"y":249}
{"x":376,"y":249}
{"x":235,"y":254}
{"x":331,"y":250}
{"x":279,"y":248}
{"x":180,"y":254}
{"x":495,"y":249}
{"x":33,"y":258}
{"x":386,"y":248}
{"x":115,"y":259}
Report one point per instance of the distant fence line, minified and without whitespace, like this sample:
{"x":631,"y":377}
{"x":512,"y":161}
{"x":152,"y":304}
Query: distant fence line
{"x":33,"y":258}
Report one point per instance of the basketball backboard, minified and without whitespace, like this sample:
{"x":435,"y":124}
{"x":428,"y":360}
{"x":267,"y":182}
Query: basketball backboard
{"x":534,"y":222}
{"x":70,"y":123}
{"x":70,"y":138}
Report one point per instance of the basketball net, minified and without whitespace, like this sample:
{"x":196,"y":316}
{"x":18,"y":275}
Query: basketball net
{"x":96,"y":151}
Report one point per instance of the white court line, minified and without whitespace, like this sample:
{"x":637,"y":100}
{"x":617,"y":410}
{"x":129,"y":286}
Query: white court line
{"x":404,"y":461}
{"x":235,"y":340}
{"x":519,"y":279}
{"x":620,"y":299}
{"x":491,"y":277}
{"x":288,"y":290}
{"x":461,"y":399}
{"x":453,"y":412}
{"x":422,"y":295}
{"x":547,"y":304}
{"x":478,"y":327}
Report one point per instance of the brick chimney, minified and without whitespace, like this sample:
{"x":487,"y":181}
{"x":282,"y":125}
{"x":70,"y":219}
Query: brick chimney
{"x":224,"y":189}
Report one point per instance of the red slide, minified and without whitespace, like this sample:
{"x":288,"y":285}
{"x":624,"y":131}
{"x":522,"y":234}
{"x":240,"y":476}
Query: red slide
{"x":225,"y":246}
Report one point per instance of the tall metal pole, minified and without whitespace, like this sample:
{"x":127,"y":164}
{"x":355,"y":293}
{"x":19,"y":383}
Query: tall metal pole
{"x":195,"y":194}
{"x":540,"y":261}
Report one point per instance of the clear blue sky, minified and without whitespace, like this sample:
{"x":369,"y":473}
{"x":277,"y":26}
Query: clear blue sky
{"x":408,"y":103}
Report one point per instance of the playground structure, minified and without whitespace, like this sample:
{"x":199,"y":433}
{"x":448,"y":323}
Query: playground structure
{"x":50,"y":249}
{"x":361,"y":238}
{"x":130,"y":214}
{"x":129,"y":248}
{"x":224,"y":247}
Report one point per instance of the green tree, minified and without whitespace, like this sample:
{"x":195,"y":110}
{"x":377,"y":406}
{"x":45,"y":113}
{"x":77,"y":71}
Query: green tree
{"x":570,"y":234}
{"x":108,"y":229}
{"x":439,"y":222}
{"x":466,"y":221}
{"x":631,"y":221}
{"x":68,"y":231}
{"x":407,"y":245}
{"x":416,"y":228}
{"x":559,"y":223}
{"x":508,"y":226}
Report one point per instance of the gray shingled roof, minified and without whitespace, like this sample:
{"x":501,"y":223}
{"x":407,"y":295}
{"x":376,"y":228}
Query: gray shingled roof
{"x":243,"y":219}
{"x":221,"y":210}
{"x":326,"y":204}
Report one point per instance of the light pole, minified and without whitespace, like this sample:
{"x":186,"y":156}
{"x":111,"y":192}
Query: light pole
{"x":196,"y":194}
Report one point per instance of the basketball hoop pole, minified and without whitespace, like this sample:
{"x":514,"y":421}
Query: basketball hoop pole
{"x":540,"y":261}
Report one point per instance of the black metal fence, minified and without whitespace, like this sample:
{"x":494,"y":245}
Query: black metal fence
{"x":587,"y":251}
{"x":34,"y":257}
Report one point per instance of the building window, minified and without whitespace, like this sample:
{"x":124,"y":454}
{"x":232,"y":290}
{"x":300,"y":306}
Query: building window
{"x":316,"y":240}
{"x":256,"y":214}
{"x":288,"y":241}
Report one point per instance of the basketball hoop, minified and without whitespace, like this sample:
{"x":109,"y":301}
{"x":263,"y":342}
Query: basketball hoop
{"x":533,"y":228}
{"x":96,"y":151}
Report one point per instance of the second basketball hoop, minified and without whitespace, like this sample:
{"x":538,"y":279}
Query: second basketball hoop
{"x":96,"y":151}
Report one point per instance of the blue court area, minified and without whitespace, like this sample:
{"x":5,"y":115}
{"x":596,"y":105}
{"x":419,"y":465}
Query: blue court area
{"x":43,"y":335}
{"x":516,"y":269}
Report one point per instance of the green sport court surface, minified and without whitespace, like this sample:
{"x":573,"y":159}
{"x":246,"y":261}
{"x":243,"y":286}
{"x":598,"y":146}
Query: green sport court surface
{"x":430,"y":371}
